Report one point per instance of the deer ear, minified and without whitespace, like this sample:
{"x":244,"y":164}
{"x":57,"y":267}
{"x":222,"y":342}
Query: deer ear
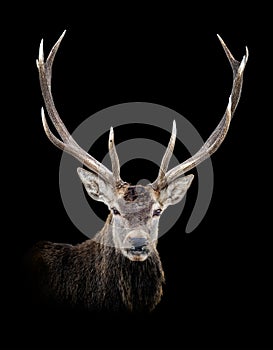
{"x":96,"y":187}
{"x":175,"y":191}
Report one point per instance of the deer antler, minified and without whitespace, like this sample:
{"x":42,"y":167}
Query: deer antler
{"x":218,"y":135}
{"x":68,"y":144}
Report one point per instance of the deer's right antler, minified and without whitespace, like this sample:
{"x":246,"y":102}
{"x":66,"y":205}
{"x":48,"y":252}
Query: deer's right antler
{"x":68,"y":144}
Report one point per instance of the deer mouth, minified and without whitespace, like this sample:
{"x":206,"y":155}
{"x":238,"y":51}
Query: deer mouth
{"x":137,"y":254}
{"x":136,"y":245}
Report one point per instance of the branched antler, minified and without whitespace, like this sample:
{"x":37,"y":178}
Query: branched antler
{"x":218,"y":135}
{"x":67,"y":143}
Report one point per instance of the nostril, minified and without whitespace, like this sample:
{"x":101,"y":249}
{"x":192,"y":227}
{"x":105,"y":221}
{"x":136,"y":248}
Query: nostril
{"x":138,"y":243}
{"x":138,"y":248}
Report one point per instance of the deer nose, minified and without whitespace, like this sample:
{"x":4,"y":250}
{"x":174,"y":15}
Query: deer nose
{"x":138,"y":243}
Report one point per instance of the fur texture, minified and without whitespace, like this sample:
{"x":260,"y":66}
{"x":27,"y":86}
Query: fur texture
{"x":97,"y":276}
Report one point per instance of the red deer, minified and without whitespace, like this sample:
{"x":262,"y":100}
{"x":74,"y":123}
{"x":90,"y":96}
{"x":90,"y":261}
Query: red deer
{"x":120,"y":269}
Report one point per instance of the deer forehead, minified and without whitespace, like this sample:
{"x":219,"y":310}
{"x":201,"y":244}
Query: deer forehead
{"x":136,"y":198}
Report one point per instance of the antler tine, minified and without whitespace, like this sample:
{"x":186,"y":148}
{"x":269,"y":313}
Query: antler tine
{"x":58,"y":143}
{"x":114,"y":159}
{"x":68,"y":144}
{"x":160,"y":182}
{"x":218,"y":135}
{"x":45,"y":74}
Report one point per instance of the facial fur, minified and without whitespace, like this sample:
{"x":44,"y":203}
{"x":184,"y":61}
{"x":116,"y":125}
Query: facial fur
{"x":134,"y":222}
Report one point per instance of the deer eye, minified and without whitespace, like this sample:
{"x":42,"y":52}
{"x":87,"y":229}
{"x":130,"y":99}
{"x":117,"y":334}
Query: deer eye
{"x":115,"y":211}
{"x":157,"y":212}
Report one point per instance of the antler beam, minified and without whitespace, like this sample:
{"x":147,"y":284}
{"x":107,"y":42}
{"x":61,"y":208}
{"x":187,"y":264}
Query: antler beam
{"x":218,"y":135}
{"x":68,"y":144}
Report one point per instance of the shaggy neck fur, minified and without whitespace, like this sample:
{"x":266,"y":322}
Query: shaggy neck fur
{"x":97,"y":276}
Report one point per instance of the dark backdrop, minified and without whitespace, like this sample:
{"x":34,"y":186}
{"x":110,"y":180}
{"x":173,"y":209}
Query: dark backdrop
{"x":218,"y":290}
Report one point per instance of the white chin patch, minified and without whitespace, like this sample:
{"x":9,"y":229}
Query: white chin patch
{"x":136,"y":255}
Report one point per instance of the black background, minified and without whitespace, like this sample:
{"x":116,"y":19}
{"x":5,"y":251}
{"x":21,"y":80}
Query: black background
{"x":218,"y":290}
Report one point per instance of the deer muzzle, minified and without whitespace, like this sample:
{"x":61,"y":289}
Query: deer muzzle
{"x":137,"y":245}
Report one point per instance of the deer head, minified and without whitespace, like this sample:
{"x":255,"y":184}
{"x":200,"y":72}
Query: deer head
{"x":135,"y":210}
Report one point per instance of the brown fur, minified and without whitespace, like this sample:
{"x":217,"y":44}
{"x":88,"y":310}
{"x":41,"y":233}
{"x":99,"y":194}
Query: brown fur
{"x":131,"y":194}
{"x":97,"y":276}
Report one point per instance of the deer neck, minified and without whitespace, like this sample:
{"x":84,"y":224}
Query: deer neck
{"x":138,"y":284}
{"x":105,"y":235}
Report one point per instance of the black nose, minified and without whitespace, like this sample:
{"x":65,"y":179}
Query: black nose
{"x":138,"y":243}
